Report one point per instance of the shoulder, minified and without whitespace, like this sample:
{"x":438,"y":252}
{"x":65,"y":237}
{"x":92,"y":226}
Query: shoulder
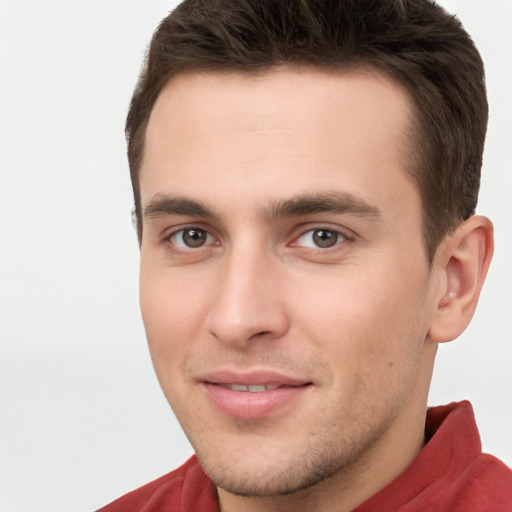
{"x":451,"y":474}
{"x":487,"y":482}
{"x":185,"y":489}
{"x":470,"y":479}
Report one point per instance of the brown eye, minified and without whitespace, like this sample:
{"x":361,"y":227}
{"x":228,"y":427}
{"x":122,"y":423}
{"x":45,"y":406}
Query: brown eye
{"x":194,"y":237}
{"x":320,"y":239}
{"x":324,"y":238}
{"x":191,"y":238}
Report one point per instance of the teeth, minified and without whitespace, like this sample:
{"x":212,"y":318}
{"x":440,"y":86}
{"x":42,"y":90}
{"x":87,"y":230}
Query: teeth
{"x":237,"y":387}
{"x":256,"y":388}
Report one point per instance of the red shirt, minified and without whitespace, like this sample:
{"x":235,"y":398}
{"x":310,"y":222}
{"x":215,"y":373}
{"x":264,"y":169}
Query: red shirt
{"x":451,"y":474}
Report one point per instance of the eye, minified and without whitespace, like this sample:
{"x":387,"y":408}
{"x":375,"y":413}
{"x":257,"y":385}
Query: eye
{"x":191,"y":238}
{"x":320,"y":239}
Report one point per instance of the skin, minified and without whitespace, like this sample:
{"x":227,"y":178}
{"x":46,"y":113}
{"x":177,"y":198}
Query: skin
{"x":358,"y":321}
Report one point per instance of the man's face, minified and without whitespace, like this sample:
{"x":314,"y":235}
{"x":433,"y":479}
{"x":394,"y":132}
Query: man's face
{"x":285,"y":288}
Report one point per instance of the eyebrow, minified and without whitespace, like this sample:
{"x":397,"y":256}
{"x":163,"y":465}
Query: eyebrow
{"x":335,"y":202}
{"x":308,"y":204}
{"x":160,"y":206}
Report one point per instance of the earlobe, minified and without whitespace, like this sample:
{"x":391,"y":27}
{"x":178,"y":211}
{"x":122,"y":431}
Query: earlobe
{"x":463,"y":260}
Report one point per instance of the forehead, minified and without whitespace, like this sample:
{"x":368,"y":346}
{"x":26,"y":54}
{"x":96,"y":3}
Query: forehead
{"x":276,"y":133}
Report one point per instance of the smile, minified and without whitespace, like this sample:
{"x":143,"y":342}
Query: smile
{"x":256,"y":388}
{"x":254,"y":400}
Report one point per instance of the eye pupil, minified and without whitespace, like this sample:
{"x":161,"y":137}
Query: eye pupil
{"x":325,"y":238}
{"x":194,"y":237}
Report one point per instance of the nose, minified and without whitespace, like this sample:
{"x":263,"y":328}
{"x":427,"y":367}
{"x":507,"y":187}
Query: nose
{"x":250,"y":301}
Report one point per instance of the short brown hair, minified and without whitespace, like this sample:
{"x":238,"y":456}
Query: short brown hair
{"x":415,"y":42}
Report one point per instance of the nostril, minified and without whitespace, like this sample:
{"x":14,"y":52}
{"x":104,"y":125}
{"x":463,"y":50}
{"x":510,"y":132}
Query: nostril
{"x":261,"y":333}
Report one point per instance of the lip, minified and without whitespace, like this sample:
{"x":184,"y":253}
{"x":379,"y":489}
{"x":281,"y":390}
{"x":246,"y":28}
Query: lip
{"x":252,"y":405}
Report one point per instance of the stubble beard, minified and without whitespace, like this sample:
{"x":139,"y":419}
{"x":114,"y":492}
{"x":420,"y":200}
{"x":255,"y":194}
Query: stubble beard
{"x":299,"y":472}
{"x":298,"y":475}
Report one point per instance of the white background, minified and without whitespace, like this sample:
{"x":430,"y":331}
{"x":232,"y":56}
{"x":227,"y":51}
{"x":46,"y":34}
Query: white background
{"x":82,"y":417}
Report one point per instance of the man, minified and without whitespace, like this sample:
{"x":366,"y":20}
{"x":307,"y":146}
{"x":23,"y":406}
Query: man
{"x":305,"y":177}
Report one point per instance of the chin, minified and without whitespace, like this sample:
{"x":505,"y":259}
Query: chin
{"x":274,"y":477}
{"x":273,"y":484}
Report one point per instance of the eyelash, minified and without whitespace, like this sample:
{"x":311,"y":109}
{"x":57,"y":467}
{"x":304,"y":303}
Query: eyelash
{"x":340,"y":237}
{"x":208,"y":237}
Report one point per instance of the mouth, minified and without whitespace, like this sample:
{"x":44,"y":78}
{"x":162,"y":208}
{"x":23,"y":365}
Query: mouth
{"x":255,"y":388}
{"x":254,"y":396}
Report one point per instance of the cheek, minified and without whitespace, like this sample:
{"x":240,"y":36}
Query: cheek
{"x":368,"y":322}
{"x":171,"y":315}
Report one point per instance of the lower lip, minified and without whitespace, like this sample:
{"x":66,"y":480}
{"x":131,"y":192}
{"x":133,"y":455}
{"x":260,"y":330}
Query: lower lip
{"x":250,"y":405}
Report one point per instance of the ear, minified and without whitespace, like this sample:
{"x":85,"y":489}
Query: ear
{"x":462,"y":261}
